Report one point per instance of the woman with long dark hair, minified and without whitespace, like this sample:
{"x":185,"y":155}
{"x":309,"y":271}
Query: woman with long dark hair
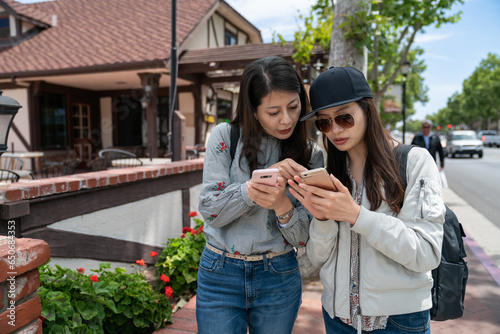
{"x":376,"y":239}
{"x":248,"y":275}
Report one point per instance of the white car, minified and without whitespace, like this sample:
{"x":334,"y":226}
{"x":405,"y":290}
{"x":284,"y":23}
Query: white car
{"x":463,"y":142}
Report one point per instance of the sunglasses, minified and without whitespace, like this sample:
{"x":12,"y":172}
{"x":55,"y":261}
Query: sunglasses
{"x":346,"y":121}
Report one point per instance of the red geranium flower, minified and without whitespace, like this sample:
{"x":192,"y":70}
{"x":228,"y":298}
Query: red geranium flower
{"x":193,"y":214}
{"x":165,"y":278}
{"x":186,"y":229}
{"x":81,"y":271}
{"x":169,"y":291}
{"x":94,"y":278}
{"x":140,"y":262}
{"x":183,"y":235}
{"x":153,"y":253}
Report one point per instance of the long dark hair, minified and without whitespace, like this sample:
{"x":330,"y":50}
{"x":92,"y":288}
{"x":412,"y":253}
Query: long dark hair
{"x":381,"y":168}
{"x":259,"y":79}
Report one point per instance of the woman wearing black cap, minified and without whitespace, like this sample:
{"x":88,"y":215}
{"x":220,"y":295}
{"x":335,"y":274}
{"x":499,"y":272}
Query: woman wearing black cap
{"x":376,"y":244}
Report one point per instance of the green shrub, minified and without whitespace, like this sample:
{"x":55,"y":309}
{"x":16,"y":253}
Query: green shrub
{"x":106,"y":302}
{"x":177,"y":266}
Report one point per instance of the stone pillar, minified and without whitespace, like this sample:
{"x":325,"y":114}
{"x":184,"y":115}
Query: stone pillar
{"x":20,"y":305}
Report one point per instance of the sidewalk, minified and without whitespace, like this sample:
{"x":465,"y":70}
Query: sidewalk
{"x":482,"y":300}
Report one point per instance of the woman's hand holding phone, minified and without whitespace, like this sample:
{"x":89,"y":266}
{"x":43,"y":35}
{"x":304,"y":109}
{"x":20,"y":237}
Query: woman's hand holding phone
{"x":319,"y":178}
{"x":326,"y":204}
{"x":267,"y":189}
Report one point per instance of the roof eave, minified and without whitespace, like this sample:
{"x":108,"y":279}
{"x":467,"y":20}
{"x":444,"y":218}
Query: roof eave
{"x":149,"y":64}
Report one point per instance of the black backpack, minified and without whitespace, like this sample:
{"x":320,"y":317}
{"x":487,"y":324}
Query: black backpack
{"x":450,"y":277}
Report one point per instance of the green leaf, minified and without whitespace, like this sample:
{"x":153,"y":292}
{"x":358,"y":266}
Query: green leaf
{"x":127,"y":311}
{"x":139,"y":322}
{"x":77,"y":320}
{"x":49,"y":313}
{"x":87,"y":309}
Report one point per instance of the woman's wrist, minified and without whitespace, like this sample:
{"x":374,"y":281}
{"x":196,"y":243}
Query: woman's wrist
{"x":285,"y":215}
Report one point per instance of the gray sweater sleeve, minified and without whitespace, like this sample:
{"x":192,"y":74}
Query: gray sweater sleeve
{"x":222,"y":200}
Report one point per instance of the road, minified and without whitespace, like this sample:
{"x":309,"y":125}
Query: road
{"x":477,"y":181}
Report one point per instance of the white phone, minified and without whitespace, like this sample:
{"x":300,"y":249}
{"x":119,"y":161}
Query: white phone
{"x":319,"y":178}
{"x":265,"y":176}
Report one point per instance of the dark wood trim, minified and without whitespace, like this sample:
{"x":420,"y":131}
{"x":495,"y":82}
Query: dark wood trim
{"x":215,"y":32}
{"x":48,"y":210}
{"x":198,"y":112}
{"x":79,"y":245}
{"x":21,"y":137}
{"x":185,"y":207}
{"x":12,"y":210}
{"x":35,"y":90}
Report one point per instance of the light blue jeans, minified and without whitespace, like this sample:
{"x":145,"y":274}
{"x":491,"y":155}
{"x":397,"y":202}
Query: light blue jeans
{"x":410,"y":323}
{"x":234,"y":295}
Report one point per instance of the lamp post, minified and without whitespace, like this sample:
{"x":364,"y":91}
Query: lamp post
{"x":8,"y":109}
{"x":404,"y":70}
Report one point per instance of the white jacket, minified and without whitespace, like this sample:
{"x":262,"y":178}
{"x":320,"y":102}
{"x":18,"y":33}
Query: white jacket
{"x":397,"y":252}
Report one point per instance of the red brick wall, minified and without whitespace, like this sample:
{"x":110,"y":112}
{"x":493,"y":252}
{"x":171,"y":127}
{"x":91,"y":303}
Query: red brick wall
{"x":20,"y":306}
{"x":29,"y":189}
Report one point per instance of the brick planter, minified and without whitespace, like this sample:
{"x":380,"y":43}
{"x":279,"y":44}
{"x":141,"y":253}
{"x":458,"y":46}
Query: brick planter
{"x":20,"y":306}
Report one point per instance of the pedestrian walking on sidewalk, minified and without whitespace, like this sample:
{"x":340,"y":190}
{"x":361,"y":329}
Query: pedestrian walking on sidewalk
{"x":429,"y":140}
{"x":248,"y":276}
{"x":376,"y":244}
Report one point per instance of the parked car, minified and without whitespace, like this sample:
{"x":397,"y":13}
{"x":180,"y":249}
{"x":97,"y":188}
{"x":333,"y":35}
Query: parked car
{"x":489,"y":138}
{"x":463,"y":142}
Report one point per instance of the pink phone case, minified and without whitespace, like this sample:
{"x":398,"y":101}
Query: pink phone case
{"x":265,"y":176}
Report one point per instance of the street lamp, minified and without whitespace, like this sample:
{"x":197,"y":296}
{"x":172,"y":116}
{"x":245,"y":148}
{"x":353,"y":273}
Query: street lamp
{"x":404,"y":70}
{"x":8,"y":109}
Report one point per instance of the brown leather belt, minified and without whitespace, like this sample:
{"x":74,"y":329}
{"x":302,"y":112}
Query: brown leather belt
{"x":249,"y":258}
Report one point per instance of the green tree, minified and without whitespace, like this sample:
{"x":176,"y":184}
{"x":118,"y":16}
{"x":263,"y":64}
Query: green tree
{"x":481,"y":91}
{"x":387,"y":29}
{"x":480,"y":97}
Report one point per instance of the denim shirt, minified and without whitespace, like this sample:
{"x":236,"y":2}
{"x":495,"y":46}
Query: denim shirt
{"x":233,"y":222}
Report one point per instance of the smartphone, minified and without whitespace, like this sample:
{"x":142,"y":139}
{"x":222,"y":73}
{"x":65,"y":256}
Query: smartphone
{"x":319,"y":178}
{"x":265,"y":176}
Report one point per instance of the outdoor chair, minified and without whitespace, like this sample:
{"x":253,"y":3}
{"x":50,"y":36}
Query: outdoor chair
{"x":115,"y":158}
{"x":59,"y":168}
{"x":97,"y":164}
{"x":16,"y":165}
{"x":8,"y":175}
{"x":191,"y":154}
{"x":11,"y":163}
{"x":59,"y":163}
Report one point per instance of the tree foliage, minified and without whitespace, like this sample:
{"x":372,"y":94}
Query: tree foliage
{"x":388,"y":31}
{"x":480,"y":97}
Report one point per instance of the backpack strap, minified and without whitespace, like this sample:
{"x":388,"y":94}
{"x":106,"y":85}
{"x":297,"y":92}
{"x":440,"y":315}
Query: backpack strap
{"x":401,"y":153}
{"x":235,"y":136}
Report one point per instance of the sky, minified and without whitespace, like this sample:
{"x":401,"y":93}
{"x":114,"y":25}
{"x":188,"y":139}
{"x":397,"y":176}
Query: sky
{"x":452,"y":52}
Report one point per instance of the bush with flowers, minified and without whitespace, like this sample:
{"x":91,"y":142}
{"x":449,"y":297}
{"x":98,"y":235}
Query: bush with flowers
{"x":177,"y":266}
{"x":104,"y":302}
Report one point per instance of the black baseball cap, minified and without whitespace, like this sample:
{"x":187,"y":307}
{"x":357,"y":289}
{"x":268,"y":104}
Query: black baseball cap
{"x":337,"y":86}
